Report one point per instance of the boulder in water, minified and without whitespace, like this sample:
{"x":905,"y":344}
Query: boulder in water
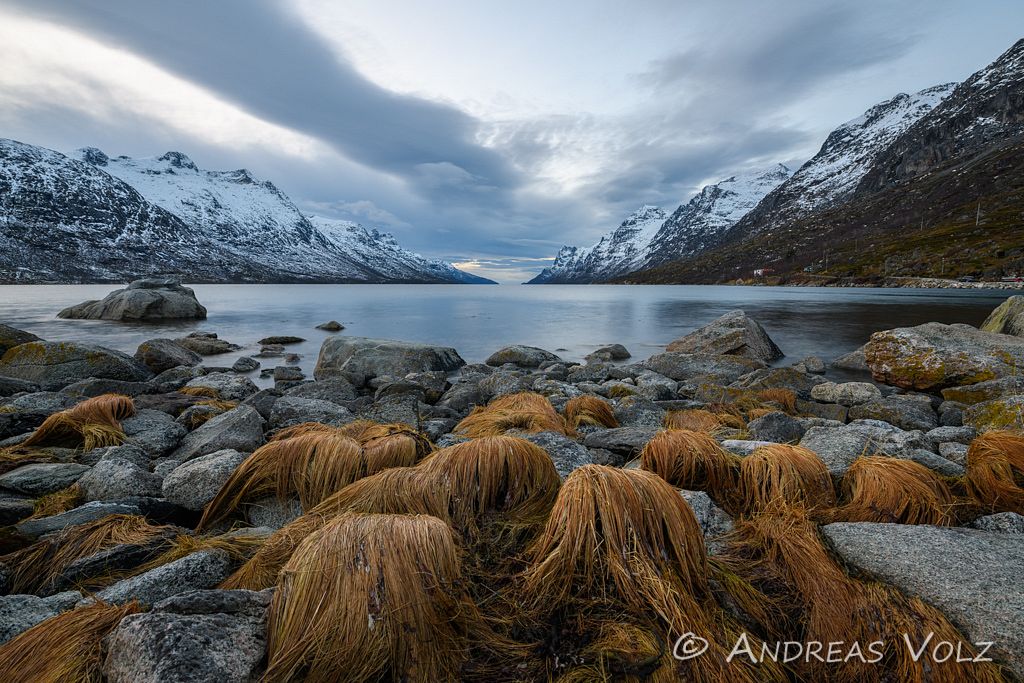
{"x":149,"y":299}
{"x":733,"y":334}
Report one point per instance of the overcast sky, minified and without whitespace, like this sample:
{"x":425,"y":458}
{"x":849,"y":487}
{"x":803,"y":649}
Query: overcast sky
{"x":487,"y":133}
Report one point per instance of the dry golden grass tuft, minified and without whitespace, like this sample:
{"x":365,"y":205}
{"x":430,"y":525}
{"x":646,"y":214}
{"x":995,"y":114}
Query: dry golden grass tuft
{"x":309,"y":467}
{"x":205,"y":392}
{"x":692,"y":460}
{"x":694,"y":420}
{"x":589,"y":410}
{"x":58,"y":502}
{"x":372,"y":597}
{"x":388,"y":442}
{"x":784,"y":398}
{"x":792,"y":475}
{"x":623,"y":545}
{"x":35,"y":566}
{"x":882,"y":489}
{"x":526,"y":412}
{"x":621,"y":391}
{"x":93,"y":423}
{"x":782,"y":550}
{"x":67,"y":648}
{"x":399,"y":490}
{"x":995,"y":471}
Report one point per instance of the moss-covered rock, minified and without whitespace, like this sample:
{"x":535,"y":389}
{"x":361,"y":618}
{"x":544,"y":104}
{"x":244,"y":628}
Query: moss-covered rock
{"x":54,"y":365}
{"x":12,"y":336}
{"x":1000,"y":413}
{"x":934,"y":356}
{"x":985,"y":391}
{"x":1007,"y":318}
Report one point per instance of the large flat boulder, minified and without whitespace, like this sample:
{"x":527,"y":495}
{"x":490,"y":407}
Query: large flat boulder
{"x":976,"y":578}
{"x":934,"y":356}
{"x":733,"y":334}
{"x":701,"y":367}
{"x":54,"y":365}
{"x":360,"y":359}
{"x":149,"y":299}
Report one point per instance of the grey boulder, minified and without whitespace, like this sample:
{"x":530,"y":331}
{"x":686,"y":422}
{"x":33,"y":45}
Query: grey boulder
{"x":565,"y":453}
{"x":19,"y":613}
{"x":700,"y":367}
{"x":208,"y":635}
{"x":198,"y":570}
{"x":360,"y":359}
{"x":153,"y":431}
{"x":733,"y":334}
{"x":240,"y":429}
{"x":39,"y":479}
{"x":149,"y":299}
{"x":116,"y":479}
{"x":54,"y":365}
{"x":228,"y":385}
{"x":975,"y":577}
{"x":12,"y":336}
{"x":292,"y":410}
{"x":193,"y":484}
{"x":521,"y":356}
{"x":160,"y":355}
{"x":846,"y":393}
{"x":1007,"y":318}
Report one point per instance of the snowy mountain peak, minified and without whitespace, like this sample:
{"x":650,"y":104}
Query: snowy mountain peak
{"x":92,"y":155}
{"x":649,"y":237}
{"x":96,"y":218}
{"x":178,"y":160}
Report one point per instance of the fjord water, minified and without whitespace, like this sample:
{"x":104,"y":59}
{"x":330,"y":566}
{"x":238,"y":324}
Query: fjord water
{"x":478,"y":319}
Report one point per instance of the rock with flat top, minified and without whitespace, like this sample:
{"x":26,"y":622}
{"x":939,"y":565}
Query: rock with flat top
{"x":733,"y":334}
{"x":148,"y":299}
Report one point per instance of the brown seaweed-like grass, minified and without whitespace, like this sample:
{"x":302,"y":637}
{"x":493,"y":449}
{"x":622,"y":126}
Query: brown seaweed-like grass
{"x":399,"y":490}
{"x":93,"y":423}
{"x":372,"y":597}
{"x":589,"y":410}
{"x":995,"y":471}
{"x":309,"y":467}
{"x":67,"y":648}
{"x":692,"y":460}
{"x":623,"y":545}
{"x":694,"y":420}
{"x":36,"y":566}
{"x":791,"y":474}
{"x":781,"y":550}
{"x":785,"y":398}
{"x":525,"y":412}
{"x":882,"y":489}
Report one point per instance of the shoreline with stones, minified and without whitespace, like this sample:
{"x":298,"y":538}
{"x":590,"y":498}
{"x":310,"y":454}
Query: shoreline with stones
{"x":929,"y":392}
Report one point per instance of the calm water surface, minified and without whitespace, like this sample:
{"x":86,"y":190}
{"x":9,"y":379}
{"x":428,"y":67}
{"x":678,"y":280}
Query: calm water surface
{"x":478,"y":319}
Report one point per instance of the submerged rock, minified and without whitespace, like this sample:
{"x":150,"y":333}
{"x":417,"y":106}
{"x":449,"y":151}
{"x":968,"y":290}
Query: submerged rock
{"x":206,"y":344}
{"x":733,"y":334}
{"x":975,"y":577}
{"x":331,"y":326}
{"x":54,"y":365}
{"x":149,"y":299}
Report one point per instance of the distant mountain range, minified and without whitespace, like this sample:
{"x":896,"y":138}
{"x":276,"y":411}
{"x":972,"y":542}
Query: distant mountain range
{"x":923,"y":185}
{"x":96,"y":218}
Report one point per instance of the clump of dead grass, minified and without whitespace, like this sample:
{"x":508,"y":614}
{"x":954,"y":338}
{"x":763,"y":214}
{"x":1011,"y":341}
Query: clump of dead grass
{"x":204,"y":392}
{"x":784,"y":398}
{"x":589,"y":410}
{"x":93,"y":423}
{"x":995,"y":471}
{"x":58,"y":502}
{"x":67,"y":648}
{"x":36,"y":566}
{"x":525,"y":412}
{"x":692,"y":460}
{"x":882,"y":489}
{"x":694,"y":420}
{"x":792,"y":475}
{"x":372,"y":597}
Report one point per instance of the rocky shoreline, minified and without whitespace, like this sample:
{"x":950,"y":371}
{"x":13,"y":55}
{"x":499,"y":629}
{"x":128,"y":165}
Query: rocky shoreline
{"x":139,"y":490}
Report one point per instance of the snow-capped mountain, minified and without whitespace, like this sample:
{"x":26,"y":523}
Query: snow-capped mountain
{"x":648,"y":238}
{"x":622,"y":250}
{"x":97,"y":218}
{"x":832,"y":175}
{"x":696,"y":225}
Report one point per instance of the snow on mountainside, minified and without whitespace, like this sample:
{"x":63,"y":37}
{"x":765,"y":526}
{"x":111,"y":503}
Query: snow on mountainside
{"x":648,"y":238}
{"x":122,"y":217}
{"x":698,"y":223}
{"x":373,"y":246}
{"x":620,"y":251}
{"x":832,"y":175}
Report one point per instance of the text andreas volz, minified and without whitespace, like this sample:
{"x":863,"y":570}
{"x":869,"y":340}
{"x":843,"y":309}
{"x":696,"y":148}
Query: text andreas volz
{"x":690,"y":645}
